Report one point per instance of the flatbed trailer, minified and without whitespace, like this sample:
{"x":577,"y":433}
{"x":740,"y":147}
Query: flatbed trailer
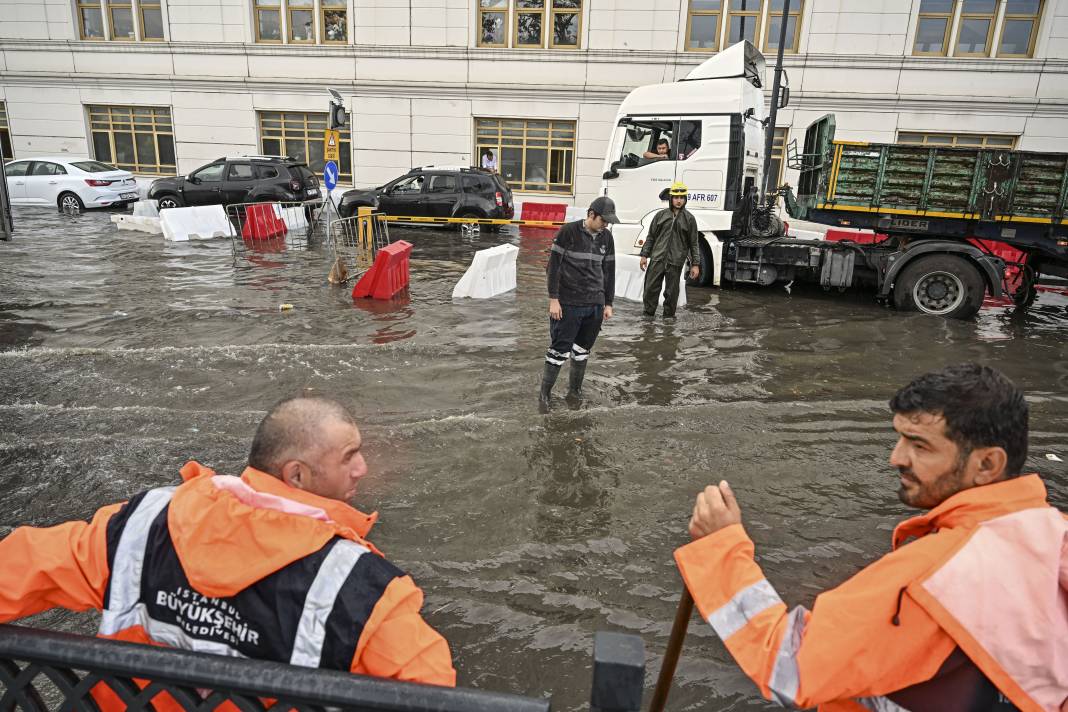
{"x":933,"y":203}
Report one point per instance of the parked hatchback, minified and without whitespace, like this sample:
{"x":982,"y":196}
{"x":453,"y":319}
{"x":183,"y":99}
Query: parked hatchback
{"x":247,"y":179}
{"x":69,"y":182}
{"x":437,"y":191}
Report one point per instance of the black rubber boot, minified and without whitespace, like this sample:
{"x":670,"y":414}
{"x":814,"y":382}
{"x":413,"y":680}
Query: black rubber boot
{"x":575,"y":375}
{"x":548,"y":378}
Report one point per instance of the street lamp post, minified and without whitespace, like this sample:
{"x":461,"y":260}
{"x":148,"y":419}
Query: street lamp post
{"x":769,"y":136}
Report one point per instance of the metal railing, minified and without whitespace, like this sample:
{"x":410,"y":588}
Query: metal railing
{"x":45,"y":670}
{"x":357,"y":241}
{"x":271,"y":226}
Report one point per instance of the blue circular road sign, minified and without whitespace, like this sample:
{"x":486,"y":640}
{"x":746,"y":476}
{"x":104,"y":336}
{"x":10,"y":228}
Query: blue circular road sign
{"x":330,"y":175}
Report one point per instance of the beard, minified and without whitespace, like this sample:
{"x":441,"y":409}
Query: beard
{"x":931,"y":494}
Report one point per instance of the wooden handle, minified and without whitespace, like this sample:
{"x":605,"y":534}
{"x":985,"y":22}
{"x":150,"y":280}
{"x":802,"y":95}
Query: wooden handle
{"x":674,"y":649}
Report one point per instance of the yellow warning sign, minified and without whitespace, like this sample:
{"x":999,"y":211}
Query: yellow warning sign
{"x":332,"y":146}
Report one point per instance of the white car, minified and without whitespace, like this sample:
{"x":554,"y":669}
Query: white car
{"x":69,"y":182}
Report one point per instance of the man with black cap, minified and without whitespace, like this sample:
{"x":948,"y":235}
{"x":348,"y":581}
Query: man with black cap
{"x":581,"y":281}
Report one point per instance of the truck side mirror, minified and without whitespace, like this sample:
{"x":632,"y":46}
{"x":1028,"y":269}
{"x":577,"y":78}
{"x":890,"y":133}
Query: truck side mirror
{"x":611,"y":172}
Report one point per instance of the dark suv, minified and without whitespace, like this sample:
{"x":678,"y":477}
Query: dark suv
{"x":248,"y":179}
{"x":437,"y":192}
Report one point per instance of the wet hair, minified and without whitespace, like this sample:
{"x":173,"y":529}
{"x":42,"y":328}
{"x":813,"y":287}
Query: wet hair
{"x":981,"y":407}
{"x":291,"y":431}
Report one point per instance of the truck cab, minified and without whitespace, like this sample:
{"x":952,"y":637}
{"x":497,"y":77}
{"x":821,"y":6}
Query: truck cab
{"x":711,"y":123}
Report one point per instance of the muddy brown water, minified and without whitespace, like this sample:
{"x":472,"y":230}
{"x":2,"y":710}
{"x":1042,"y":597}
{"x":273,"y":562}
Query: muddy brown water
{"x":122,"y":356}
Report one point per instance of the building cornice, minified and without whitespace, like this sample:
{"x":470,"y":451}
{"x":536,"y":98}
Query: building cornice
{"x":482,"y":54}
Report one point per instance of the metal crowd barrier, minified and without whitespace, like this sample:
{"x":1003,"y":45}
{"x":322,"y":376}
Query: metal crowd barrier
{"x":271,"y":226}
{"x":45,"y":670}
{"x":358,"y":239}
{"x":472,"y":221}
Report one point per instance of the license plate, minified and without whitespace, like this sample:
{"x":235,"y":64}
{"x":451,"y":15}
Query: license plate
{"x":313,"y":192}
{"x":127,"y":196}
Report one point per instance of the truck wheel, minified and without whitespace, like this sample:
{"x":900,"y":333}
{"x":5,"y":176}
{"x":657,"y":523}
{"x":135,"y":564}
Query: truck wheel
{"x":704,"y":279}
{"x":943,"y":285}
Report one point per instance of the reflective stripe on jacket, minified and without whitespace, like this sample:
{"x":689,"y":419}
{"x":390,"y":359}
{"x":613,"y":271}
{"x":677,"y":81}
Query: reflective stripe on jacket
{"x":988,"y":575}
{"x":247,"y":567}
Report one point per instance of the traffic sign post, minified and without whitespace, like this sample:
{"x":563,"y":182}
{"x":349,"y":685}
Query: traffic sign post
{"x":330,"y":172}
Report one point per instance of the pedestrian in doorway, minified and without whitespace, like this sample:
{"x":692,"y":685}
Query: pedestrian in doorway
{"x":672,"y":239}
{"x":581,"y":277}
{"x":967,"y":612}
{"x":489,"y":161}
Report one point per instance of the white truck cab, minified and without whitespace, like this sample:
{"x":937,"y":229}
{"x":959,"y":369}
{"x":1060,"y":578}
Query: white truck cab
{"x":711,"y":121}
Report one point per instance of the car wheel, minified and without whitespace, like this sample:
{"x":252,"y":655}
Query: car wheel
{"x":467,"y":214}
{"x":170,"y":201}
{"x":69,"y":203}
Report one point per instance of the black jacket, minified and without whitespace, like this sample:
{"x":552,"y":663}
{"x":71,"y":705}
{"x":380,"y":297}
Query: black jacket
{"x":582,"y":268}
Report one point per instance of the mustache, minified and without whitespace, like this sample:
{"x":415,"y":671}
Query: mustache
{"x":907,"y":473}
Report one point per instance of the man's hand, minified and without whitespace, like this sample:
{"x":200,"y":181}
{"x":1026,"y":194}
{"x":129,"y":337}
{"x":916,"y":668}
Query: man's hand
{"x":556,"y":312}
{"x":715,"y":509}
{"x":694,"y":271}
{"x":643,"y":263}
{"x":608,"y":311}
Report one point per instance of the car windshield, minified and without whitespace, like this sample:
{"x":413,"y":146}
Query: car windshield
{"x":94,"y":166}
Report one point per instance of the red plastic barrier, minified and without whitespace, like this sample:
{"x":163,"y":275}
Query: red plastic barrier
{"x":261,"y":223}
{"x":388,"y":275}
{"x":838,"y":234}
{"x":549,"y":212}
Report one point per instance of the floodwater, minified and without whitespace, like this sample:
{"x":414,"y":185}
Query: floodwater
{"x":122,"y":356}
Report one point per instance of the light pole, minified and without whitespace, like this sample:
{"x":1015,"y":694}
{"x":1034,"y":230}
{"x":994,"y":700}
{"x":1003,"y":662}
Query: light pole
{"x":769,"y":136}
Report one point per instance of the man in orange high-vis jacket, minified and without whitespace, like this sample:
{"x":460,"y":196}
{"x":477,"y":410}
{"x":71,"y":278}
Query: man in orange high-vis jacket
{"x":272,"y":565}
{"x":968,"y":612}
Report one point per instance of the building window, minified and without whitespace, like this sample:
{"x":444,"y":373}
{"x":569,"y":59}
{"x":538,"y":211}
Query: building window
{"x":778,"y":151}
{"x":1019,"y":28}
{"x":956,"y":140}
{"x":335,"y":23}
{"x":556,"y":24}
{"x":300,"y":136}
{"x":90,"y":20}
{"x":968,"y":28}
{"x":301,"y":21}
{"x":711,"y":24}
{"x":139,"y":139}
{"x":533,"y":156}
{"x":6,"y":154}
{"x":127,"y":20}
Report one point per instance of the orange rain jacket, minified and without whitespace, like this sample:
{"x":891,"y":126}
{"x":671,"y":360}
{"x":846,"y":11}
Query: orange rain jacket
{"x":228,"y":535}
{"x":988,"y":574}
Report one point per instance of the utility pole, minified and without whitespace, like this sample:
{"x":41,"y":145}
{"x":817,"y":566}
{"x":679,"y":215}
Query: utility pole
{"x":769,"y":136}
{"x":7,"y":224}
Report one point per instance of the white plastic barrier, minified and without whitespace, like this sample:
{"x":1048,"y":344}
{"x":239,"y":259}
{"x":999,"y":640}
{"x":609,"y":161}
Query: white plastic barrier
{"x":492,"y":272}
{"x":146,"y":209}
{"x":630,"y":280}
{"x":141,"y":223}
{"x":201,"y":222}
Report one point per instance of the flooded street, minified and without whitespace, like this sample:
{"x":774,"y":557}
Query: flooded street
{"x":122,"y":356}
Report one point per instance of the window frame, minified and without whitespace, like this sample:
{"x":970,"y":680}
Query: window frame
{"x":80,"y":7}
{"x":113,"y":5}
{"x":718,"y":14}
{"x":278,"y":9}
{"x":1036,"y":21}
{"x":947,"y":34}
{"x":796,"y":40}
{"x":309,"y":132}
{"x":956,"y":141}
{"x":5,"y":132}
{"x":497,"y":142}
{"x":142,"y":5}
{"x":962,"y":16}
{"x":505,"y":13}
{"x":336,"y":6}
{"x":552,"y":13}
{"x":161,"y":123}
{"x":757,"y":14}
{"x":516,"y":12}
{"x":290,"y":25}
